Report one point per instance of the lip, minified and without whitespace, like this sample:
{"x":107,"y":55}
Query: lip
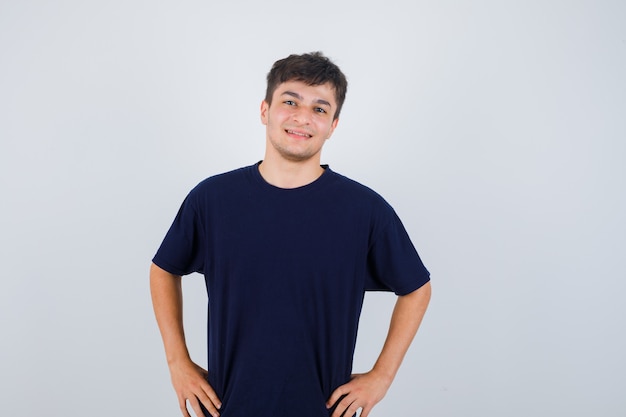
{"x":299,"y":134}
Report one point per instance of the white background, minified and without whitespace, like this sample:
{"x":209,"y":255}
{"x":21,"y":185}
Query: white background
{"x":497,"y":129}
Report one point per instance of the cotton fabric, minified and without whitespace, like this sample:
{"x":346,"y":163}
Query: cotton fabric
{"x":286,"y":271}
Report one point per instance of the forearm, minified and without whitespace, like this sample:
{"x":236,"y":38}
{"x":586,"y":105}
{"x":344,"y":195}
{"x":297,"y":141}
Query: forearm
{"x":189,"y":380}
{"x":365,"y":390}
{"x":167,"y":301}
{"x":405,"y":320}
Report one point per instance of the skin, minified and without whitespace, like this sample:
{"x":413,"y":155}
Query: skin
{"x":187,"y":377}
{"x":366,"y":390}
{"x":298,"y":123}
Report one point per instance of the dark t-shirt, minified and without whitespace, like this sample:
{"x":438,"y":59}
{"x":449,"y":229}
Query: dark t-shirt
{"x":286,"y":271}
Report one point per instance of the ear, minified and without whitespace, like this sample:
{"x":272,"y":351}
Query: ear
{"x":264,"y":112}
{"x":333,"y":125}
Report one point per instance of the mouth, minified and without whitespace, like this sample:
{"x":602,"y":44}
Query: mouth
{"x":298,"y":133}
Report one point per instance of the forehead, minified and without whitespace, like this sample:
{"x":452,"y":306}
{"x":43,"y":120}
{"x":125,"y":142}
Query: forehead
{"x":307,"y":92}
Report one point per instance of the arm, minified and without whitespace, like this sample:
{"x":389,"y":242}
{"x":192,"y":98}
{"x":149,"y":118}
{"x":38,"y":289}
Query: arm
{"x":188,"y":378}
{"x":366,"y":390}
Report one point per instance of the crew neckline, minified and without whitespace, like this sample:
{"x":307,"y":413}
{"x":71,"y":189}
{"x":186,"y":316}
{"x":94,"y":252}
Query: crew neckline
{"x":322,"y":179}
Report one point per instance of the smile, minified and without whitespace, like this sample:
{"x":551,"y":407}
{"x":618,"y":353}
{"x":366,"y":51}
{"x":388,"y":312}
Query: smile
{"x":301,"y":134}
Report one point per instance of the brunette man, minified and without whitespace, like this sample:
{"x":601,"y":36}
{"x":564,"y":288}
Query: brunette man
{"x":287,"y":247}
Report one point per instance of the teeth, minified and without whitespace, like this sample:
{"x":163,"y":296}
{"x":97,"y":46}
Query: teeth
{"x":304,"y":135}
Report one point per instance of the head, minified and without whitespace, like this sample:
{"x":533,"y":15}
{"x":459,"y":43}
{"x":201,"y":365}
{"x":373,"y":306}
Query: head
{"x":312,"y":69}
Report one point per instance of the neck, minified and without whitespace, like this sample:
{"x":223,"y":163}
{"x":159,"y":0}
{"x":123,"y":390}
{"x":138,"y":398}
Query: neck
{"x":290,"y":174}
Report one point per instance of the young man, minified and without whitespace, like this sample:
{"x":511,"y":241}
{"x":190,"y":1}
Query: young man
{"x":288,"y":248}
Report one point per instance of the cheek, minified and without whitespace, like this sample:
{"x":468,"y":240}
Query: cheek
{"x":279,"y":117}
{"x":328,"y":128}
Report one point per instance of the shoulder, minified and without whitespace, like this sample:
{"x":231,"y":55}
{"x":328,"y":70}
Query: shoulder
{"x":356,"y":191}
{"x":218,"y":187}
{"x":221,"y":182}
{"x":224,"y":179}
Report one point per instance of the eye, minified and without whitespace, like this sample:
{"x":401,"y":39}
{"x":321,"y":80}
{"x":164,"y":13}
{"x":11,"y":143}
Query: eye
{"x":289,"y":102}
{"x":320,"y":110}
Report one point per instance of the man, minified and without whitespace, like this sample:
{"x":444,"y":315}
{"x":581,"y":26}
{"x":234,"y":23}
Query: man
{"x":288,"y":248}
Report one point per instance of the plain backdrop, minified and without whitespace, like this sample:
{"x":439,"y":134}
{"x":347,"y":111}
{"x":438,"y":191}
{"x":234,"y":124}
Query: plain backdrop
{"x":496,"y":129}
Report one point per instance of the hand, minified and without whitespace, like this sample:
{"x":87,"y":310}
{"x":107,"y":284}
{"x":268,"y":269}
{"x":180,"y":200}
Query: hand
{"x":363,"y":391}
{"x":190,"y":384}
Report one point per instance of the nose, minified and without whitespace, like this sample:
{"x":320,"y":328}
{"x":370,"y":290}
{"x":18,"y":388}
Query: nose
{"x":301,"y":115}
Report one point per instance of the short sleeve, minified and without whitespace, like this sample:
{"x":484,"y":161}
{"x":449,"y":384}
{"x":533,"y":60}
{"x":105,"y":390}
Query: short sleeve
{"x":393,"y":263}
{"x":181,"y":251}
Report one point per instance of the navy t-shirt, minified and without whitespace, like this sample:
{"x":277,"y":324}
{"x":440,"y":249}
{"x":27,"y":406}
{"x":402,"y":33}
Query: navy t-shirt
{"x":286,"y":271}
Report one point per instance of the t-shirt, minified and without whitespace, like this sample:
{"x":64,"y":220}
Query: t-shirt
{"x":286,"y":271}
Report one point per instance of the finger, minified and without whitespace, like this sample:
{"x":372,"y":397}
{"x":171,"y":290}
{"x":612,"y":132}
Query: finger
{"x":197,"y":408}
{"x":351,"y":410}
{"x":342,"y":407}
{"x":182,"y":404}
{"x":336,"y":396}
{"x":211,"y":395}
{"x":210,"y":404}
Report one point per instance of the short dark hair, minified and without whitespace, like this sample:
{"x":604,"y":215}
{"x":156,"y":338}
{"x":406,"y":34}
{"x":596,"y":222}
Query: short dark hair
{"x":311,"y":68}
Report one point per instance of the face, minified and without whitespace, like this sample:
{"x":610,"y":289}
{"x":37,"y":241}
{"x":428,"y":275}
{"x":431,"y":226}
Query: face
{"x":299,"y":120}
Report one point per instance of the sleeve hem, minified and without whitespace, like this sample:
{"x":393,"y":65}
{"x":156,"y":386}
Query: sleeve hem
{"x":409,"y":289}
{"x":167,"y":267}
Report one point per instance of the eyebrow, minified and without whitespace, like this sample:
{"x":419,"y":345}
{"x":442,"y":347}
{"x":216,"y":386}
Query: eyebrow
{"x":299,"y":97}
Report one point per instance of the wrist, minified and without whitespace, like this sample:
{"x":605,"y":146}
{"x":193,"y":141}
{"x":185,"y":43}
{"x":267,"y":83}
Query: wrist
{"x":178,"y":359}
{"x":386,"y":376}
